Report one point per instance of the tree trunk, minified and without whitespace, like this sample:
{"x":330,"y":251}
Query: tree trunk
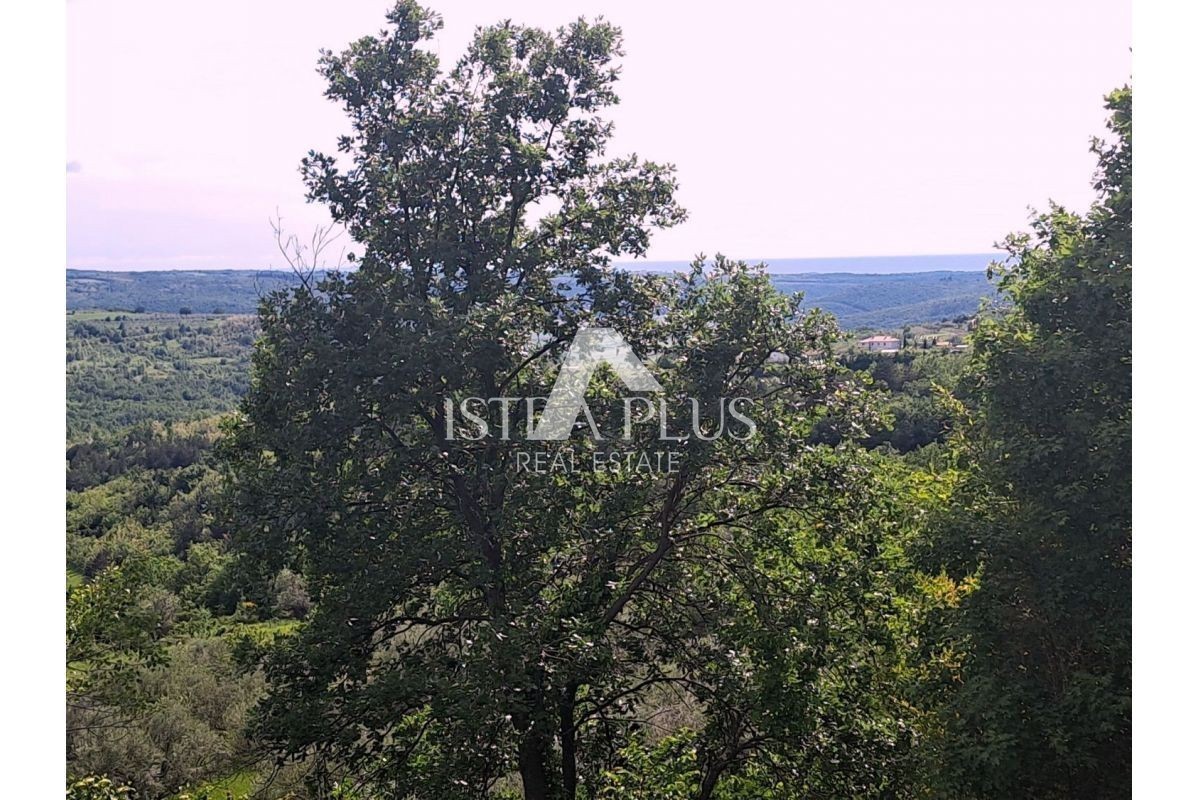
{"x":566,"y":735}
{"x":531,"y":761}
{"x":709,"y":783}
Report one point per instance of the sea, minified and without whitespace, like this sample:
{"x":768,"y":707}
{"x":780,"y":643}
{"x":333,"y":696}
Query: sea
{"x":853,"y":265}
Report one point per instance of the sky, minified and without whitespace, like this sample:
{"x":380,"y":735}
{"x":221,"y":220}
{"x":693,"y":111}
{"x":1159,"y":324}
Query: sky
{"x":803,"y":129}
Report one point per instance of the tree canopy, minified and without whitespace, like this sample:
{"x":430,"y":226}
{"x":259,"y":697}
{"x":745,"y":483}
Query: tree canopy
{"x":470,"y":619}
{"x":1043,"y":516}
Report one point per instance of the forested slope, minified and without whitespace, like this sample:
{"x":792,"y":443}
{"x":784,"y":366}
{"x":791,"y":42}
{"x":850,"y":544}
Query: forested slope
{"x":857,"y":300}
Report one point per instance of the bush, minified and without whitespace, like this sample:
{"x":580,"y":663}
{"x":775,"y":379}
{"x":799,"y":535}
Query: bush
{"x":290,"y":594}
{"x":97,"y":787}
{"x":191,"y":731}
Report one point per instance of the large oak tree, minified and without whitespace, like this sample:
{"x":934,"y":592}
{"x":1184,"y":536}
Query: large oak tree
{"x":474,"y":621}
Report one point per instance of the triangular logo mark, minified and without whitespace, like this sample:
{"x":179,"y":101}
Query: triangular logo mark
{"x":590,"y":348}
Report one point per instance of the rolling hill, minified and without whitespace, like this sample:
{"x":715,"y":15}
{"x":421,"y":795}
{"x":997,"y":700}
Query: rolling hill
{"x":857,"y":300}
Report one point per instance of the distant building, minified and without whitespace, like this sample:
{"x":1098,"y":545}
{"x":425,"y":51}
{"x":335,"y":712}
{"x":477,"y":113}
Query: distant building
{"x":880,"y":344}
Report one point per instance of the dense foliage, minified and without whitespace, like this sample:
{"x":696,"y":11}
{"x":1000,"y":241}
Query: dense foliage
{"x":1042,"y":705}
{"x":155,"y":699}
{"x":126,"y":369}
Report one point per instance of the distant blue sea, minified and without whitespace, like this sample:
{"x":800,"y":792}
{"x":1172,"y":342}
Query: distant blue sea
{"x":863,"y":265}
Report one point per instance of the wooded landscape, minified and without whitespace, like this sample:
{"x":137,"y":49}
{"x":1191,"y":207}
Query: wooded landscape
{"x":289,"y":575}
{"x":856,"y":300}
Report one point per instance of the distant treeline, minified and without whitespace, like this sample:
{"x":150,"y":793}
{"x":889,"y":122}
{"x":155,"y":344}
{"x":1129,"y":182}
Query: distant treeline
{"x":228,"y":291}
{"x":858,"y":301}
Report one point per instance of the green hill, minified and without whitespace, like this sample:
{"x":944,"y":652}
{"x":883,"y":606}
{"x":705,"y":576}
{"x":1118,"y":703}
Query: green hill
{"x":885,"y":301}
{"x":858,"y":300}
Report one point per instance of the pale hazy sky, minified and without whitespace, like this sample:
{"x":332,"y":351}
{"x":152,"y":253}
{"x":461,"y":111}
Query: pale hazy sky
{"x":803,"y":129}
